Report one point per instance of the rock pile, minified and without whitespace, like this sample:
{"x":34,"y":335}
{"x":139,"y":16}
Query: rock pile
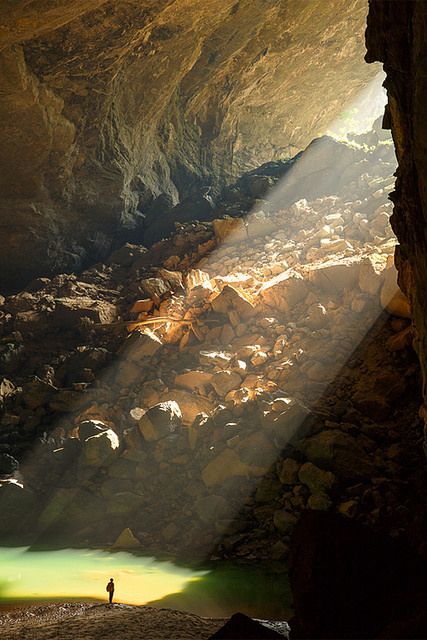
{"x":237,"y":399}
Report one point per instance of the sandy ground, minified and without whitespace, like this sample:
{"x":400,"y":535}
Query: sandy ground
{"x":88,"y":621}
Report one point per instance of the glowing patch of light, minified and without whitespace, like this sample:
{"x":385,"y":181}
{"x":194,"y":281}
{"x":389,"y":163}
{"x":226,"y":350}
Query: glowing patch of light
{"x":74,"y":573}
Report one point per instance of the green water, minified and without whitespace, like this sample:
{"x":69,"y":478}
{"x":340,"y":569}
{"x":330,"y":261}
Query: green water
{"x":82,"y":574}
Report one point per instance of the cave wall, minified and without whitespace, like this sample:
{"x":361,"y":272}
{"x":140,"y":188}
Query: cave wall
{"x":106,"y":105}
{"x":396,"y":35}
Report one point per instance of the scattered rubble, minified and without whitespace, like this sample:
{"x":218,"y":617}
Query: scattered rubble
{"x":235,"y":401}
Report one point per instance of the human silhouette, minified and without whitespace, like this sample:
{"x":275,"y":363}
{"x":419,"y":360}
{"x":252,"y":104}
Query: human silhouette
{"x":110,"y":589}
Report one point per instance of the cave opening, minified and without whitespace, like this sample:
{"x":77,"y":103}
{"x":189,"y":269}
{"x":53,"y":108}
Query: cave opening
{"x":207,"y":365}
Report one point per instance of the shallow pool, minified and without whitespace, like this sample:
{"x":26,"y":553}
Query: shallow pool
{"x":216,"y":590}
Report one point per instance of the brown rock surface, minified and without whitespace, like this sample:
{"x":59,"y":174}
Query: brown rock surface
{"x":93,"y":132}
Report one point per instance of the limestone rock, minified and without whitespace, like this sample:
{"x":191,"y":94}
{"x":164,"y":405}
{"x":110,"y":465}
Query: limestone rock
{"x":284,"y":521}
{"x":88,"y":428}
{"x":190,"y":404}
{"x":141,"y":344}
{"x":212,"y":508}
{"x":340,"y":453}
{"x":319,"y":502}
{"x":228,"y":465}
{"x":160,"y":420}
{"x":284,"y":291}
{"x":17,"y":505}
{"x":370,"y":275}
{"x":317,"y":480}
{"x":230,"y":299}
{"x":126,"y":540}
{"x":225,"y":381}
{"x":69,"y":311}
{"x":392,"y":298}
{"x":334,"y":276}
{"x":101,"y":449}
{"x":229,"y":230}
{"x":288,"y":471}
{"x":197,"y":381}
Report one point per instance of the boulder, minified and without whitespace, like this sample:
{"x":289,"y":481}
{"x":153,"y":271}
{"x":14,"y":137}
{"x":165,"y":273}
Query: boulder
{"x":241,"y":627}
{"x":16,"y":505}
{"x":288,"y":471}
{"x":317,"y":480}
{"x":392,"y":298}
{"x":101,"y":449}
{"x":160,"y":420}
{"x":370,"y":275}
{"x":69,"y":311}
{"x":334,"y":276}
{"x":191,"y":404}
{"x":227,"y":464}
{"x":36,"y":393}
{"x":142,"y":306}
{"x":8,"y":465}
{"x":225,"y":381}
{"x":126,"y":540}
{"x":339,"y":452}
{"x":197,"y":381}
{"x":126,"y":255}
{"x":141,"y":344}
{"x":230,"y":299}
{"x":89,"y":428}
{"x":212,"y":508}
{"x":284,"y":291}
{"x":284,"y":521}
{"x":229,"y":230}
{"x":317,"y":317}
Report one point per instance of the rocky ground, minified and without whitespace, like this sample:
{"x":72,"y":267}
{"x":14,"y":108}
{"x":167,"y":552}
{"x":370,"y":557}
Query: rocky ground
{"x":68,"y":621}
{"x":196,"y":397}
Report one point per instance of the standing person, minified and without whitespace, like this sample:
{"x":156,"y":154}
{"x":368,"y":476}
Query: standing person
{"x":110,"y":589}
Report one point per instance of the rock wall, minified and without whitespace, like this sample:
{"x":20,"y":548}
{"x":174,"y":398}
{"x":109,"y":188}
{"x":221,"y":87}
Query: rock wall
{"x":395,"y":36}
{"x":106,"y":106}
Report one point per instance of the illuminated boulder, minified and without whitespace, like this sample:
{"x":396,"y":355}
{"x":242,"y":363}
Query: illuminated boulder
{"x":160,"y":421}
{"x":284,"y":291}
{"x":101,"y":449}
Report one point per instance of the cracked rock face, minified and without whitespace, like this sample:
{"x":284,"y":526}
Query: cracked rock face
{"x":107,"y":106}
{"x":395,"y":36}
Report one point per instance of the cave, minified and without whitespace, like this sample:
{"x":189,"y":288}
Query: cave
{"x":213,"y":324}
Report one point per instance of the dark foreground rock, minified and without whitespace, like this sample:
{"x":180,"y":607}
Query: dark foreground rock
{"x":241,"y":627}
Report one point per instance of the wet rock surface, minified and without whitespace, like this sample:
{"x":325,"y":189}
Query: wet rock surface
{"x":197,"y":397}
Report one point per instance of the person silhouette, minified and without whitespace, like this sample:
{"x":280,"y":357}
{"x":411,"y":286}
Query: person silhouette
{"x":110,"y":589}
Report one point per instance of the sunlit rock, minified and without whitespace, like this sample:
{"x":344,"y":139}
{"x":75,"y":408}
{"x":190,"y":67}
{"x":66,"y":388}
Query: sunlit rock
{"x":284,"y":291}
{"x":392,"y":298}
{"x":225,"y":381}
{"x":229,"y":230}
{"x":198,"y":381}
{"x":101,"y":449}
{"x":141,"y":344}
{"x":126,"y":540}
{"x":190,"y":404}
{"x":370,"y":275}
{"x":336,"y":275}
{"x":230,"y":299}
{"x":160,"y":420}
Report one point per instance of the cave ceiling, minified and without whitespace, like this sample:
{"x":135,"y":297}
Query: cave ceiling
{"x":107,"y":105}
